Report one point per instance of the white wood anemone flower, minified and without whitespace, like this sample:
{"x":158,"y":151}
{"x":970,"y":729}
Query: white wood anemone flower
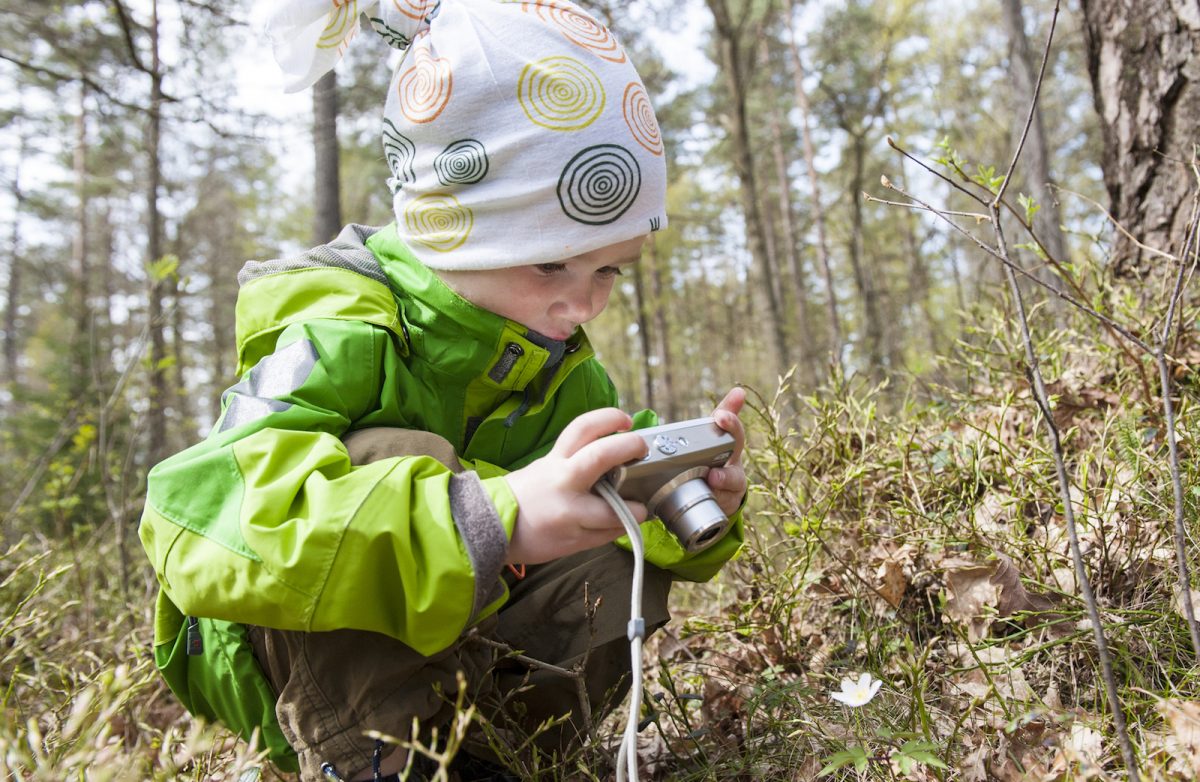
{"x":857,"y":693}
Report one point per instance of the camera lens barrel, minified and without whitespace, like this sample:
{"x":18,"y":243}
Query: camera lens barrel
{"x":692,"y":514}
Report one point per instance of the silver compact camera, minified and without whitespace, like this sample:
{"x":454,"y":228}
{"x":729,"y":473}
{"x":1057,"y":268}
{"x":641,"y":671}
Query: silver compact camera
{"x":670,"y":479}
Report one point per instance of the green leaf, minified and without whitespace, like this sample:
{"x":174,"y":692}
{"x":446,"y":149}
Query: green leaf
{"x":855,"y":755}
{"x":163,"y":268}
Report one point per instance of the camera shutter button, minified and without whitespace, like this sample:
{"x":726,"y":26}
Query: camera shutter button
{"x":665,"y":445}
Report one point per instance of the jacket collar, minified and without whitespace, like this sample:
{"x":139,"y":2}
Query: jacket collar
{"x":462,"y":340}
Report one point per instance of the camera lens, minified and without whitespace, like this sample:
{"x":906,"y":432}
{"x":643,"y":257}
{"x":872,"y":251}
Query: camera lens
{"x":693,"y":515}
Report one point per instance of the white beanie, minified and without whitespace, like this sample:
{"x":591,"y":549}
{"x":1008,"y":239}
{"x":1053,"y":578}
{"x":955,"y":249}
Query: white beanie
{"x":517,"y":132}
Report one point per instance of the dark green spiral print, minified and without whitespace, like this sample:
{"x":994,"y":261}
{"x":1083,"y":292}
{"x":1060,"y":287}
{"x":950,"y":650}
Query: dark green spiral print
{"x":464,"y":162}
{"x":599,"y":184}
{"x":399,"y":152}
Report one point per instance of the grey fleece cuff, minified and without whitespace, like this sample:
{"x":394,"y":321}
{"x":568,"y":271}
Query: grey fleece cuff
{"x":482,"y":533}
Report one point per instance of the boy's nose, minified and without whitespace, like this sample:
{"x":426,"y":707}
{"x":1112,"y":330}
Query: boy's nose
{"x":578,"y":306}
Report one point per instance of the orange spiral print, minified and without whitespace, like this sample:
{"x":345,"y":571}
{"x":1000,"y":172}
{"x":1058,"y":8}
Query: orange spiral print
{"x":413,"y":9}
{"x":579,"y":29}
{"x":425,"y":87}
{"x":340,"y":25}
{"x":438,"y":221}
{"x":639,"y":116}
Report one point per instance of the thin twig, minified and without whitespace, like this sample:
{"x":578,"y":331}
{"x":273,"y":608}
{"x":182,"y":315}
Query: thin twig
{"x":1034,"y":375}
{"x":1008,"y":263}
{"x":974,"y":215}
{"x":1124,"y":231}
{"x":1164,"y":373}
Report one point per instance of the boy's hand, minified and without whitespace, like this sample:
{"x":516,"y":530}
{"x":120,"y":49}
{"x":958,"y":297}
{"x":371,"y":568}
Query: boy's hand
{"x":558,"y":512}
{"x":728,"y":483}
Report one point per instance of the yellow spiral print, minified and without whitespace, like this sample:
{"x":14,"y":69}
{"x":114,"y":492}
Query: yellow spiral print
{"x":560,"y":93}
{"x":579,"y":29}
{"x":438,"y":221}
{"x":425,"y":87}
{"x":639,"y":116}
{"x":340,"y":26}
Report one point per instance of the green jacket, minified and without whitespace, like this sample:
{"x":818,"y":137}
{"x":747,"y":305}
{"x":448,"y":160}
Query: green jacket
{"x":266,"y":522}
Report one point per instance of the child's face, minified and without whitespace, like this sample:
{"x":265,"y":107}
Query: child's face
{"x":550,"y":298}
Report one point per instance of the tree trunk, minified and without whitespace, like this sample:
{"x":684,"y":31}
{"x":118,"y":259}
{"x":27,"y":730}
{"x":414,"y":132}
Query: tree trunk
{"x":1035,"y":156}
{"x":639,"y":295}
{"x":918,"y":276}
{"x":804,"y":340}
{"x":867,"y":291}
{"x":327,"y":211}
{"x":1142,"y":58}
{"x":159,"y":393}
{"x":180,"y":400}
{"x":732,"y":63}
{"x":12,"y":293}
{"x":79,"y":254}
{"x":662,"y":337}
{"x":814,"y":185}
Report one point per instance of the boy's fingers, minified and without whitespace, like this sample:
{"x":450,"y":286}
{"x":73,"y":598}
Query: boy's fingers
{"x":593,"y":460}
{"x":734,"y":400}
{"x":590,"y":427}
{"x":726,"y":416}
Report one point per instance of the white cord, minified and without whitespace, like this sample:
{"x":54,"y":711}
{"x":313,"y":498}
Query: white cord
{"x":627,"y":756}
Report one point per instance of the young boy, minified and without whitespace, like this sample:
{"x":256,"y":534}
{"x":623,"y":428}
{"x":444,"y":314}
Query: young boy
{"x":406,"y":465}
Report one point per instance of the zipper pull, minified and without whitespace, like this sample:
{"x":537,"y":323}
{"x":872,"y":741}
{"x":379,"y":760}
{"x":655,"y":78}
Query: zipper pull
{"x":195,"y":643}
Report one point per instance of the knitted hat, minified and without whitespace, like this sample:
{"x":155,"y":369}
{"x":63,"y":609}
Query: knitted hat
{"x":517,"y":132}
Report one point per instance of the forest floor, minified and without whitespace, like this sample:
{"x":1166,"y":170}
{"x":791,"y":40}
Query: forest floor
{"x":915,"y":536}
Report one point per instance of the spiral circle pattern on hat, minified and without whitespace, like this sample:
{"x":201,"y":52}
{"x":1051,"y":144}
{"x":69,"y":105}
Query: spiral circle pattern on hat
{"x":639,"y":116}
{"x":337,"y":29}
{"x":560,"y":93}
{"x":463,"y":162}
{"x":578,"y":28}
{"x":413,"y":9}
{"x":438,"y":221}
{"x":400,"y":152}
{"x":425,"y":87}
{"x":599,"y":184}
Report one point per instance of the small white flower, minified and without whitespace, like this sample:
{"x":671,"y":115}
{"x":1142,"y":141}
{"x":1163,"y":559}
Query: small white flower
{"x":858,"y":693}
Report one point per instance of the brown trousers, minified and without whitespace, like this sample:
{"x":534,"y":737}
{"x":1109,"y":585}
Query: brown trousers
{"x":335,"y":686}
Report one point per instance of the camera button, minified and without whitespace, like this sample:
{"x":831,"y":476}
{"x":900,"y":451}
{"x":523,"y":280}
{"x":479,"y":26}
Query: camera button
{"x":665,"y":445}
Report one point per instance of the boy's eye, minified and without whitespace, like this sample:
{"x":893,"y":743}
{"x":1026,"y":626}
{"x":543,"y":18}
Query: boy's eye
{"x":609,"y":271}
{"x":550,"y":268}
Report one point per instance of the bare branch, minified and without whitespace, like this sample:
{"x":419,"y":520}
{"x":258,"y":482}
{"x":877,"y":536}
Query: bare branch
{"x":1008,"y":263}
{"x":1144,"y":247}
{"x":1164,"y":373}
{"x":1064,"y":485}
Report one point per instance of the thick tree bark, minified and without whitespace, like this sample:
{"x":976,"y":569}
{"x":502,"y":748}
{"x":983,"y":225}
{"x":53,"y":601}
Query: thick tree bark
{"x":1035,"y":156}
{"x":327,"y":211}
{"x":159,"y":392}
{"x":1144,"y":62}
{"x":730,"y":43}
{"x":814,"y":185}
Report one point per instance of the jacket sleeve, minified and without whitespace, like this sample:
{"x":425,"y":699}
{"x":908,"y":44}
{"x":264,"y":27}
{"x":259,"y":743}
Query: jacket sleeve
{"x":267,"y":522}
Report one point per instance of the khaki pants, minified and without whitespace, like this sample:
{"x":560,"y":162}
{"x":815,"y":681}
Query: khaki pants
{"x":334,"y":686}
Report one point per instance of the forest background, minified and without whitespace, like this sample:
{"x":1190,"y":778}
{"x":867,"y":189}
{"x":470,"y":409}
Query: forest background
{"x":972,"y":371}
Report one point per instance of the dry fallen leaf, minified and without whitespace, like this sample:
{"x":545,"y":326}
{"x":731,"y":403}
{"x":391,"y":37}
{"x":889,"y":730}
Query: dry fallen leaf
{"x":1184,"y":743}
{"x":891,"y":581}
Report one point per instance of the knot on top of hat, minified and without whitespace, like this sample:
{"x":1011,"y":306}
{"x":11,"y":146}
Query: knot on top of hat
{"x":400,"y":21}
{"x":309,"y":37}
